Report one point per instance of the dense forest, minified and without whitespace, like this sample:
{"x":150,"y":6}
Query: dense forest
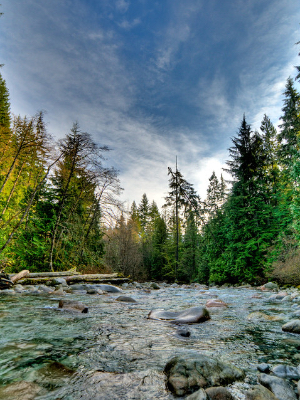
{"x":60,"y":208}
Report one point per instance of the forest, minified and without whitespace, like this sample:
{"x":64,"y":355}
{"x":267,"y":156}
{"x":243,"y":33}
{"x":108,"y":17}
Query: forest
{"x":60,"y":207}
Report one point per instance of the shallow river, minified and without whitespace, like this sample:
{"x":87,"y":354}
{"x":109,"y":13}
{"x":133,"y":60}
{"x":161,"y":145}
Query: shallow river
{"x":41,"y":344}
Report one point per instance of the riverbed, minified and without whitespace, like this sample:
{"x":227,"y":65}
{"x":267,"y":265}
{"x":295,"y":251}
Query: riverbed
{"x":115,"y":352}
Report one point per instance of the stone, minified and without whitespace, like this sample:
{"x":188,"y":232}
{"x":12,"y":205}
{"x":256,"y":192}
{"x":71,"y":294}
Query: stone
{"x":263,"y":367}
{"x":286,"y":372}
{"x":126,"y":299}
{"x":259,"y":392}
{"x":183,"y":332}
{"x":73,"y":305}
{"x":278,"y":386}
{"x":191,"y":315}
{"x":271,"y":286}
{"x":109,"y":288}
{"x":199,"y":395}
{"x":58,"y":281}
{"x":154,"y":286}
{"x":20,"y":391}
{"x":292,"y":326}
{"x":215,"y":303}
{"x":45,"y":289}
{"x":186,"y":375}
{"x":219,"y":393}
{"x":59,"y":291}
{"x":287,"y":298}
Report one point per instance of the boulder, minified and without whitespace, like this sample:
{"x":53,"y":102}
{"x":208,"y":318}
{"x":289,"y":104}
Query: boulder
{"x":191,"y":315}
{"x":215,"y":303}
{"x":109,"y":288}
{"x":73,"y":305}
{"x":292,"y":326}
{"x":186,"y":375}
{"x":126,"y":299}
{"x":219,"y":393}
{"x":263,"y":367}
{"x":286,"y":372}
{"x":271,"y":286}
{"x":199,"y":395}
{"x":259,"y":392}
{"x":154,"y":286}
{"x":278,"y":386}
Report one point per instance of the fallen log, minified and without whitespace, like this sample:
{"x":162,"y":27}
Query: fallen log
{"x":73,"y":279}
{"x":51,"y":274}
{"x":19,"y":276}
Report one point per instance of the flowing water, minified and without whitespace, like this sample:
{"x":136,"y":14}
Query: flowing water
{"x":116,"y":352}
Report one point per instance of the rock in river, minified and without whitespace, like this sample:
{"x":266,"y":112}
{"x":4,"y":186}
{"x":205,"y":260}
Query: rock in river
{"x":186,"y":375}
{"x":259,"y":392}
{"x":126,"y":299}
{"x":191,"y":315}
{"x":73,"y":305}
{"x":292,"y":326}
{"x":280,"y":387}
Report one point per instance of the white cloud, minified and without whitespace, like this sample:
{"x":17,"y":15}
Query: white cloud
{"x":122,"y":5}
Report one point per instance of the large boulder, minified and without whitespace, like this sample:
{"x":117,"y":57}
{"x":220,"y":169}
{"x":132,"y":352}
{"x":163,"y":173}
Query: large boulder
{"x":109,"y":288}
{"x":278,"y":386}
{"x":186,"y":375}
{"x":219,"y":393}
{"x":191,"y":315}
{"x":286,"y":372}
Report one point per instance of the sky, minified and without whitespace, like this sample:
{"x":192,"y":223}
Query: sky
{"x":151,"y":79}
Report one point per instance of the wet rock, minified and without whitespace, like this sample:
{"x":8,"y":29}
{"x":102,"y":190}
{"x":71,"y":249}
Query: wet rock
{"x":263,"y":367}
{"x":73,"y":305}
{"x":215,"y":303}
{"x":58,"y":281}
{"x":199,"y":395}
{"x":109,"y":288}
{"x":191,"y":315}
{"x":278,"y":386}
{"x":183,"y":332}
{"x":155,"y":286}
{"x":286,"y":372}
{"x":126,"y":299}
{"x":54,"y":374}
{"x":260,"y":392}
{"x":219,"y":393}
{"x":292,"y":326}
{"x":185,"y":375}
{"x":20,"y":391}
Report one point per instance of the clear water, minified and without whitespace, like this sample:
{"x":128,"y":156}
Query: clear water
{"x":113,"y":347}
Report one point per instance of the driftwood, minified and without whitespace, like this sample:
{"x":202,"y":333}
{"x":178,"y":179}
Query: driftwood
{"x":51,"y":274}
{"x":96,"y":278}
{"x":19,"y":276}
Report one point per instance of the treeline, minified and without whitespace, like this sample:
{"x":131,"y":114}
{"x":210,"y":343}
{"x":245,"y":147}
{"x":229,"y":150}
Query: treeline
{"x":54,"y":196}
{"x":246,"y":232}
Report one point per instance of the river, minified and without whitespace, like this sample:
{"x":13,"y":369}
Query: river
{"x":116,"y":352}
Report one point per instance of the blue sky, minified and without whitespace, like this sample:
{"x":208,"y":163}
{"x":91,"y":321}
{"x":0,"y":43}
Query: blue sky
{"x":151,"y":79}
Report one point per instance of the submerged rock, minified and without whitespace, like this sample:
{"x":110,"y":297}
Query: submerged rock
{"x":185,"y":375}
{"x":191,"y":315}
{"x":126,"y":299}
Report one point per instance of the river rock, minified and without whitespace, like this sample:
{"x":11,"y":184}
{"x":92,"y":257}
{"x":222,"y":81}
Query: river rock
{"x":219,"y":393}
{"x":286,"y":372}
{"x":54,"y":374}
{"x":199,"y":395}
{"x":185,"y":375}
{"x":292,"y":326}
{"x":20,"y":391}
{"x":126,"y":299}
{"x":155,"y":286}
{"x":73,"y":305}
{"x":191,"y":315}
{"x":109,"y":288}
{"x":260,"y":392}
{"x":215,"y":303}
{"x":278,"y":386}
{"x":270,"y":286}
{"x":183,"y":332}
{"x":58,"y":281}
{"x":263,"y":367}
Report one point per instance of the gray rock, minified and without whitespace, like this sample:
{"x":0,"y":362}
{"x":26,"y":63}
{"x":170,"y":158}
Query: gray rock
{"x":154,"y":286}
{"x":286,"y":372}
{"x":219,"y":393}
{"x":45,"y":289}
{"x":58,"y":281}
{"x":271,"y":286}
{"x":191,"y":315}
{"x":278,"y":386}
{"x":187,"y":375}
{"x":126,"y":299}
{"x":109,"y":288}
{"x":183,"y":332}
{"x":199,"y":395}
{"x":263,"y":367}
{"x":292,"y":326}
{"x":259,"y":392}
{"x":73,"y":305}
{"x":287,"y":298}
